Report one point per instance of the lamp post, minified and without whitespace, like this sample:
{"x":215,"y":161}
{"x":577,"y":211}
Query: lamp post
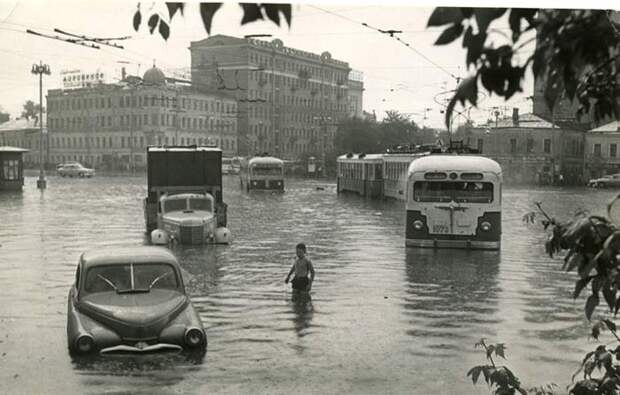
{"x":41,"y":69}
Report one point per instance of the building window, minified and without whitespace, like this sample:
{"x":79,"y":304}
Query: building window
{"x":10,"y":169}
{"x":513,"y":146}
{"x":530,"y":145}
{"x":547,"y":146}
{"x":597,"y":150}
{"x":613,"y":150}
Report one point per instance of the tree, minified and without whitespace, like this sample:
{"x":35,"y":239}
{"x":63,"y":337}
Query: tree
{"x":251,"y":12}
{"x":4,"y":116}
{"x":577,"y":54}
{"x":31,"y":110}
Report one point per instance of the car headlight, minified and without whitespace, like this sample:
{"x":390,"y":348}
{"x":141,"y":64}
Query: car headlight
{"x":194,"y":337}
{"x":485,"y":226}
{"x":85,"y":343}
{"x":417,"y":224}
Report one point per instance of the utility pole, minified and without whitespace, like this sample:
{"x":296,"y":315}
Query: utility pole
{"x":41,"y":69}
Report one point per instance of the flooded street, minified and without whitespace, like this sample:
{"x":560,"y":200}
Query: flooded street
{"x":382,"y":318}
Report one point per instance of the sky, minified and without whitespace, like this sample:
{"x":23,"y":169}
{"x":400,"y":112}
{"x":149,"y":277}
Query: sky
{"x":414,"y":80}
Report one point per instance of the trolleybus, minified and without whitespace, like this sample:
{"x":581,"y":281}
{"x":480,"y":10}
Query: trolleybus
{"x":454,"y":201}
{"x":262,"y":173}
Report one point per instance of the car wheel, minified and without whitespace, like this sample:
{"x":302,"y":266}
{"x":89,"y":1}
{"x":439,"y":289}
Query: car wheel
{"x":81,"y":175}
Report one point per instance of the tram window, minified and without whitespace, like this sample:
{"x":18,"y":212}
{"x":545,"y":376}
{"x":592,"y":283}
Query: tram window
{"x":462,"y":192}
{"x":266,"y":171}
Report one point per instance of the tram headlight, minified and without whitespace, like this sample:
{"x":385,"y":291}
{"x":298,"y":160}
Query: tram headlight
{"x":418,"y":225}
{"x":485,"y":226}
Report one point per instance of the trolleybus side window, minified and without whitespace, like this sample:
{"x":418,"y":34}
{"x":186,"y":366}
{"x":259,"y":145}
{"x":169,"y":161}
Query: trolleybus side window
{"x":458,"y":191}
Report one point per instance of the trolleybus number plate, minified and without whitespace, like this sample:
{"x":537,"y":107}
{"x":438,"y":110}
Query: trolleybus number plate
{"x":441,"y":229}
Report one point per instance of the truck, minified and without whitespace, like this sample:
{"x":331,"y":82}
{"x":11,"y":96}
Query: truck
{"x":179,"y":172}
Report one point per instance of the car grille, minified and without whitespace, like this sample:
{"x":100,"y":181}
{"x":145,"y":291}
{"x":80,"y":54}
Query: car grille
{"x":192,"y":234}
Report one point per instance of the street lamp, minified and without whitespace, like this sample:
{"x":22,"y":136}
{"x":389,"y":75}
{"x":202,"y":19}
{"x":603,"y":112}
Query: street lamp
{"x":41,"y":69}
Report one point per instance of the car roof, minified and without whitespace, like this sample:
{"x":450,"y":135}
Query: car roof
{"x":124,"y":255}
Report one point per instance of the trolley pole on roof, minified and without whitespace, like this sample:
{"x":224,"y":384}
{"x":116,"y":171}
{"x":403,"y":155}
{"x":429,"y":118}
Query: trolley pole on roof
{"x":41,"y":69}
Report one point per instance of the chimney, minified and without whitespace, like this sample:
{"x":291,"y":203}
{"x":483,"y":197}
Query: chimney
{"x":123,"y":73}
{"x":515,"y":116}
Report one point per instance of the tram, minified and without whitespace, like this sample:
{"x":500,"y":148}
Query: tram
{"x":454,"y":201}
{"x":262,"y":173}
{"x":395,"y":170}
{"x":360,"y":173}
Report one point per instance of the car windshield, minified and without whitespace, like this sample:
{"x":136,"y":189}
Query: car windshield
{"x":458,"y":191}
{"x":129,"y":277}
{"x":175,"y":205}
{"x":266,"y":170}
{"x":203,"y":204}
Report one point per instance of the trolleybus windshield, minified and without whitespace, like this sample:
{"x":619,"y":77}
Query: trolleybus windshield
{"x":457,"y":191}
{"x":266,"y":171}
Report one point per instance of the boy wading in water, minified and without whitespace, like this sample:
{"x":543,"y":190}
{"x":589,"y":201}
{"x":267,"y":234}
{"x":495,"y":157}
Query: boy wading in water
{"x":301,"y":268}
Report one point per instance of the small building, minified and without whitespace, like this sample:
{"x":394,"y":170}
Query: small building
{"x":533,"y":150}
{"x":26,"y":133}
{"x":601,"y":154}
{"x":11,"y":168}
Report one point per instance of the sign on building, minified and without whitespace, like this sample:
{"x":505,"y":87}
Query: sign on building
{"x":74,"y":79}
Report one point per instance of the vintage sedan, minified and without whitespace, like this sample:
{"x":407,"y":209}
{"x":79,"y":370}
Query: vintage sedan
{"x":608,"y":181}
{"x":131,"y":300}
{"x":75,"y":170}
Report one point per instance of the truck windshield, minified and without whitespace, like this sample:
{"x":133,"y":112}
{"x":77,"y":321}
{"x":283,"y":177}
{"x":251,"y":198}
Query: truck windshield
{"x":200,"y":204}
{"x":458,"y":191}
{"x":175,"y":205}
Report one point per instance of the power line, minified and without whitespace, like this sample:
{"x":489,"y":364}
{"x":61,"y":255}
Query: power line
{"x":391,"y":33}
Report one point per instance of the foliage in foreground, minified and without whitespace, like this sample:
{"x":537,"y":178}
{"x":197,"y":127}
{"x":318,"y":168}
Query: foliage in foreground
{"x":593,"y":252}
{"x":576,"y":54}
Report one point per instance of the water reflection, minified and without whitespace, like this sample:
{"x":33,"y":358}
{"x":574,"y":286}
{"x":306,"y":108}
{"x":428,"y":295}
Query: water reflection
{"x":303,"y":312}
{"x":149,"y":372}
{"x":451,"y":297}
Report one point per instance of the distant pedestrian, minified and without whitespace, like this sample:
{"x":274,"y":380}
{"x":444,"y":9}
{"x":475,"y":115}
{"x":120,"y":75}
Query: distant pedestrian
{"x":301,"y":268}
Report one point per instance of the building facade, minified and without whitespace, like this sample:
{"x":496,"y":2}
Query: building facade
{"x":289,"y":101}
{"x":601,"y":153}
{"x":109,"y":126}
{"x":26,"y":133}
{"x":532,"y":150}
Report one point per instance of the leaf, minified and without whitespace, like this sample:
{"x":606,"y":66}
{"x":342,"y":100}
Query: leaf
{"x":137,"y":20}
{"x":450,"y":34}
{"x":153,"y":21}
{"x":500,"y":349}
{"x":273,"y":12}
{"x":484,"y":17}
{"x":251,"y":13}
{"x":444,"y":15}
{"x":617,"y":307}
{"x":474,"y":373}
{"x":609,"y":294}
{"x":580,"y":285}
{"x":591,"y":304}
{"x":474,"y":49}
{"x":207,"y":12}
{"x":164,"y":30}
{"x":174,"y":7}
{"x":610,"y":324}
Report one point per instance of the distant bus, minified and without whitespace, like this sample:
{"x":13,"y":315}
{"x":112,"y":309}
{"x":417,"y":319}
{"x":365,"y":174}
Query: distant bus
{"x":262,"y":173}
{"x":454,"y":201}
{"x":360,"y":173}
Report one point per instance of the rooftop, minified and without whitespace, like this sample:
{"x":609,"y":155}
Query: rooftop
{"x":22,"y":123}
{"x":608,"y":127}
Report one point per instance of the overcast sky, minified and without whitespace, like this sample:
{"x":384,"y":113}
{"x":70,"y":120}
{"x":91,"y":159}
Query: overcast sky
{"x":396,"y":77}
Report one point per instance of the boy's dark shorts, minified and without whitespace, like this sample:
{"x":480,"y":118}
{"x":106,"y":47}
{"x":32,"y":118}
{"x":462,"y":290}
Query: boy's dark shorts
{"x":300,"y":283}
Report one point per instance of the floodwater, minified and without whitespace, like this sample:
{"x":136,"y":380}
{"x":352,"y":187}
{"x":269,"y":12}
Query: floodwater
{"x":381,"y":319}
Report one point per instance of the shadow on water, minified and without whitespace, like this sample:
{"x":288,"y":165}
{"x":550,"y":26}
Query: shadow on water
{"x":451,"y":295}
{"x":303,"y":310}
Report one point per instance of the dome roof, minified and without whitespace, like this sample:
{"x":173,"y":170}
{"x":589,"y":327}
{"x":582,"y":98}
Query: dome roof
{"x":154,"y":76}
